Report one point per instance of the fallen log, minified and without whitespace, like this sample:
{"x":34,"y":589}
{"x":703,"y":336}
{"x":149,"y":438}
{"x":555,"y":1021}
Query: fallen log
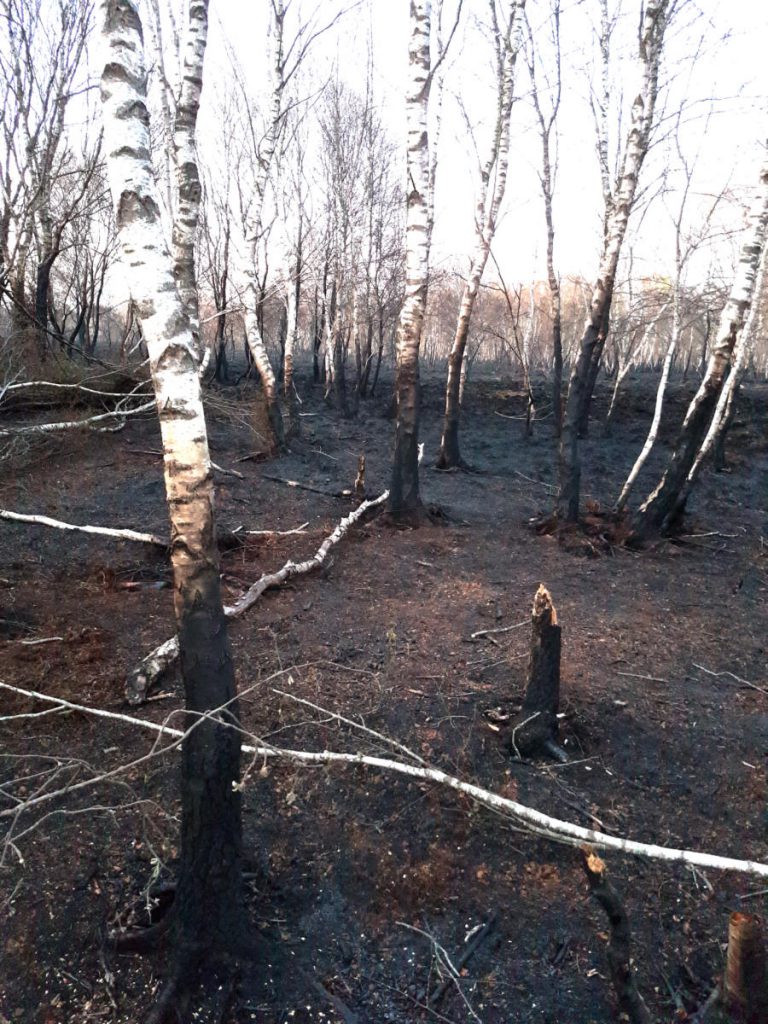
{"x":52,"y":428}
{"x":536,"y":821}
{"x":101,"y":531}
{"x":142,"y":679}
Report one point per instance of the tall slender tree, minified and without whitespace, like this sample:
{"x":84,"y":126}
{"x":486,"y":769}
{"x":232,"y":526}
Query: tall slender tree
{"x":404,"y":497}
{"x":507,"y":34}
{"x":208,"y":917}
{"x":619,"y":204}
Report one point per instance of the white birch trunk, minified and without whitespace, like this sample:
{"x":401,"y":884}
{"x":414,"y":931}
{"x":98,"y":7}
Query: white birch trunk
{"x":727,"y":396}
{"x":209,"y":919}
{"x":665,"y":504}
{"x":404,"y":498}
{"x":661,"y":391}
{"x":188,"y":187}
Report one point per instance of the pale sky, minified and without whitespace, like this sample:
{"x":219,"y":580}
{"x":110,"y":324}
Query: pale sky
{"x":725,"y":89}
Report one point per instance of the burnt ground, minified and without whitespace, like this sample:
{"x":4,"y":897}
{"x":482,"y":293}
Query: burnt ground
{"x":343,"y":864}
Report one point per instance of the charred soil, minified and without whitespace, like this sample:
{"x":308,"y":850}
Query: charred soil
{"x":355,"y":879}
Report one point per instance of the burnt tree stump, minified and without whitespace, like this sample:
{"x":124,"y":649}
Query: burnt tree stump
{"x":746,"y":981}
{"x":535,"y":730}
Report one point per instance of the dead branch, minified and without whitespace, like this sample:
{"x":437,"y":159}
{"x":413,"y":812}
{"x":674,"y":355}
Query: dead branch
{"x":143,"y":678}
{"x":501,"y":629}
{"x":630,"y":1001}
{"x":101,"y":531}
{"x":305,"y":487}
{"x":49,"y":428}
{"x":535,"y":821}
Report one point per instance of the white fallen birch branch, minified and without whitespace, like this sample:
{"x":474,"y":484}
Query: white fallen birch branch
{"x":23,"y":385}
{"x":101,"y":531}
{"x":542,"y":824}
{"x":49,"y":428}
{"x":141,"y":680}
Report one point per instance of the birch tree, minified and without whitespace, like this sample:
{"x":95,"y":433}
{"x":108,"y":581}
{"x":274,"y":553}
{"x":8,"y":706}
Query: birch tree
{"x":404,"y":499}
{"x":507,"y":34}
{"x":655,"y":20}
{"x":207,"y":918}
{"x":546,"y":120}
{"x":666,"y":503}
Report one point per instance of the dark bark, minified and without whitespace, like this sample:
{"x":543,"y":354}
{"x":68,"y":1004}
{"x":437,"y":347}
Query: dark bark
{"x":42,"y":294}
{"x":536,"y":727}
{"x":594,"y":366}
{"x":629,"y":999}
{"x":404,"y":499}
{"x":557,"y":372}
{"x":664,"y":508}
{"x":449,"y":456}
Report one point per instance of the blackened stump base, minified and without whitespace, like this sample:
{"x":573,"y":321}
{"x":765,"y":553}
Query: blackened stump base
{"x":535,"y":730}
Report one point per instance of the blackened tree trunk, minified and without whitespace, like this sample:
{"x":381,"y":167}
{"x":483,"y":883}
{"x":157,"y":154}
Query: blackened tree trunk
{"x":208,"y":915}
{"x":664,"y":507}
{"x":42,"y":297}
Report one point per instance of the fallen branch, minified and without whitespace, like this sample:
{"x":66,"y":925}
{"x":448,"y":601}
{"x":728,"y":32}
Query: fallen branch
{"x":501,"y":629}
{"x":48,"y":428}
{"x":305,"y":487}
{"x":143,"y":678}
{"x":475,"y":942}
{"x":102,"y":531}
{"x":736,"y":679}
{"x":536,"y":821}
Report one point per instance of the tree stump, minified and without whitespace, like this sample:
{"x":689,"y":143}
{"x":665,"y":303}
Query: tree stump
{"x":746,"y":981}
{"x":535,"y":730}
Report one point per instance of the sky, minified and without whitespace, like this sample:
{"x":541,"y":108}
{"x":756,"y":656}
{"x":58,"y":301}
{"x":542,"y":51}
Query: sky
{"x":715,"y":69}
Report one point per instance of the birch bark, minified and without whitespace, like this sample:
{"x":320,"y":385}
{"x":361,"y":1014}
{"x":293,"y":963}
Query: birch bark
{"x":188,"y":187}
{"x":666,"y":504}
{"x":654,"y":24}
{"x":208,"y":914}
{"x":404,"y":498}
{"x":487,"y":207}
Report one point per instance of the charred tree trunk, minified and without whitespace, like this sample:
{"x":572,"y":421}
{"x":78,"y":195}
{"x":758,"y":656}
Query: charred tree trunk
{"x":746,"y":980}
{"x":207,"y":921}
{"x":629,"y":999}
{"x":42,"y":297}
{"x":535,"y":730}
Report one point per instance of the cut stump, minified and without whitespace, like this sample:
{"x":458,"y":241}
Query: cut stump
{"x":746,"y":982}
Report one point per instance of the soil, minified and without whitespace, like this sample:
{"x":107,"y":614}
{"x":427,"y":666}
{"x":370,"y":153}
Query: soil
{"x":360,"y":883}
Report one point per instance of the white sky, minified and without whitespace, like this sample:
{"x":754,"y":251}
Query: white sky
{"x":728,"y":81}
